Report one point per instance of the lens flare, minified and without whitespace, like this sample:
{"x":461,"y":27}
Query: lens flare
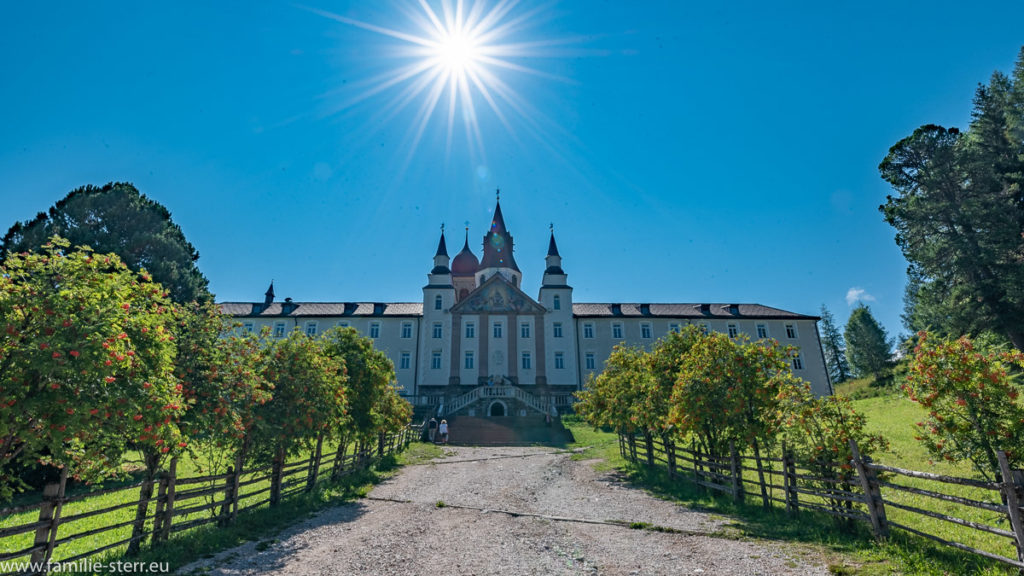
{"x":454,"y":59}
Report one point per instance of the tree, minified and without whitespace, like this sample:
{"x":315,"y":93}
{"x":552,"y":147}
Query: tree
{"x":973,"y":402}
{"x":959,"y":215}
{"x":868,"y":348}
{"x":117,"y":218}
{"x":374,"y":406}
{"x":834,"y":346}
{"x":308,"y":399}
{"x":85,"y":363}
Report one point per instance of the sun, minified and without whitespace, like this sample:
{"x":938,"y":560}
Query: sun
{"x":457,"y":60}
{"x":456,"y":52}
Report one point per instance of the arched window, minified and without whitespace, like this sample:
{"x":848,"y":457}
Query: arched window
{"x":557,"y":302}
{"x":437,"y":302}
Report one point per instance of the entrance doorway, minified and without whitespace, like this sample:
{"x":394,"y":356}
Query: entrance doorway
{"x":496,"y":409}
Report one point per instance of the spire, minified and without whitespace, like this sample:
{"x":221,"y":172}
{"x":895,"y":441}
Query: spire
{"x":268,"y":296}
{"x":442,"y":248}
{"x":552,"y":247}
{"x":498,"y":243}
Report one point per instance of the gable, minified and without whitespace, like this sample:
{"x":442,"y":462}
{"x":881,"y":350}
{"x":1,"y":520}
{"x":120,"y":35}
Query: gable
{"x":496,"y":296}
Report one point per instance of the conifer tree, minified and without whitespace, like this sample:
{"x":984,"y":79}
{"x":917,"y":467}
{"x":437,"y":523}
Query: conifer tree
{"x":958,"y":212}
{"x":834,"y":346}
{"x":118,"y":218}
{"x":868,"y":348}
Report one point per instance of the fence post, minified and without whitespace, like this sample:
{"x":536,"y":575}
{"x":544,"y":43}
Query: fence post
{"x":632,"y":447}
{"x":139,"y":528}
{"x":1013,"y":483}
{"x":736,"y":473}
{"x":872,"y":493}
{"x":172,"y":477}
{"x":670,"y":454}
{"x":229,"y":498}
{"x":276,"y":471}
{"x":789,"y":480}
{"x":314,"y":464}
{"x":622,"y":445}
{"x":698,"y":474}
{"x":53,"y":501}
{"x":161,"y":503}
{"x":239,"y":460}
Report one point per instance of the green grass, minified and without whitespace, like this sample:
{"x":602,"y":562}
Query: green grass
{"x":848,"y":549}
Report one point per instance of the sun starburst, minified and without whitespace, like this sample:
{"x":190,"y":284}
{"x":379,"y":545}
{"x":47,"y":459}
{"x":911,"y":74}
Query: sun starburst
{"x":453,"y":61}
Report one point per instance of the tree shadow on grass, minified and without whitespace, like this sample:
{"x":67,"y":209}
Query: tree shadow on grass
{"x":902,"y":552}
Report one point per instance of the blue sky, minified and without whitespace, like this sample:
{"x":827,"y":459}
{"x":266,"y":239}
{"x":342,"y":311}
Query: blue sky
{"x":684,"y":152}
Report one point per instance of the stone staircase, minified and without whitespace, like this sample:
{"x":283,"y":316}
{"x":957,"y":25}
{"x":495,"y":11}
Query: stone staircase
{"x":513,"y":431}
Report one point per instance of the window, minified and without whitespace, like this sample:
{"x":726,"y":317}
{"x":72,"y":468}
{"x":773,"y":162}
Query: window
{"x":403,"y":364}
{"x":468,"y":363}
{"x":435,"y":360}
{"x":589,"y":359}
{"x":343,"y":324}
{"x":497,"y":329}
{"x":704,"y":328}
{"x":375,"y":330}
{"x":438,"y":302}
{"x":556,"y":302}
{"x":673,"y":327}
{"x":734,"y":331}
{"x":588,"y":330}
{"x":558,"y":329}
{"x":790,"y":331}
{"x":406,"y":329}
{"x":470,"y":330}
{"x":310,"y":328}
{"x":279,"y":330}
{"x":524,"y":330}
{"x":645,"y":330}
{"x":762,"y":331}
{"x":247,"y":328}
{"x":798,"y":363}
{"x":617,"y":331}
{"x":559,"y":361}
{"x":527,"y":362}
{"x":437,"y":330}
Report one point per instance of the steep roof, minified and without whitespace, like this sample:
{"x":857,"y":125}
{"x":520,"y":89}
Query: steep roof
{"x":498,"y":244}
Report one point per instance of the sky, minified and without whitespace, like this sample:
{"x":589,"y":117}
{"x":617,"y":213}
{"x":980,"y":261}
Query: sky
{"x":683,"y":152}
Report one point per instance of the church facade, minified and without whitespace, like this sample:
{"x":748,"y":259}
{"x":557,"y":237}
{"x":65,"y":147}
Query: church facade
{"x":478,"y":345}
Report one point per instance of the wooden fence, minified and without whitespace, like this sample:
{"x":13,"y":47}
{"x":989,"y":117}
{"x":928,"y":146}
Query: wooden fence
{"x":861,"y":490}
{"x":179,"y":503}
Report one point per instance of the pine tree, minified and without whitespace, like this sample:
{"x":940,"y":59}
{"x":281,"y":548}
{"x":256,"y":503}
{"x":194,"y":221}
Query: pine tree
{"x":868,"y":348}
{"x":118,"y":218}
{"x":834,"y":346}
{"x":958,"y":212}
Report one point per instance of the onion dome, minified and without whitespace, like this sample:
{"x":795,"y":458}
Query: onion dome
{"x":465,"y":262}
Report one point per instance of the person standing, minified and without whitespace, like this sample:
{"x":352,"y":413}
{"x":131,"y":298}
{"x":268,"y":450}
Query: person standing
{"x":444,"y":431}
{"x":431,"y":429}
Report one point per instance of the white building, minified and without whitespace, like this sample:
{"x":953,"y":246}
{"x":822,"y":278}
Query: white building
{"x":477,"y":344}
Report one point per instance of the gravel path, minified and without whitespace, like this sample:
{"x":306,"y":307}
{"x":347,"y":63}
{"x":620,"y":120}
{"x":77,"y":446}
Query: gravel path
{"x":566,"y":519}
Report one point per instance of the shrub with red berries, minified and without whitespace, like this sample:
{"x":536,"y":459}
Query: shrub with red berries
{"x":973,"y":401}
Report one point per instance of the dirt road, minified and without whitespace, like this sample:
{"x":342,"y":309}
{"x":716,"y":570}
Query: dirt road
{"x":508,"y":511}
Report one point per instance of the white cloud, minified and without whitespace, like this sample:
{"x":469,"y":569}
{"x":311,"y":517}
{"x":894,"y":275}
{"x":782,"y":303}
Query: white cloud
{"x":856,"y":294}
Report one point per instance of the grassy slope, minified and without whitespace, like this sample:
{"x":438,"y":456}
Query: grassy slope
{"x":850,"y":551}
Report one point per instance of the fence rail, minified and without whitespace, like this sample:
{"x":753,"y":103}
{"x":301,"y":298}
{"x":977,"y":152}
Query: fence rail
{"x":201,"y":500}
{"x":860,"y":491}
